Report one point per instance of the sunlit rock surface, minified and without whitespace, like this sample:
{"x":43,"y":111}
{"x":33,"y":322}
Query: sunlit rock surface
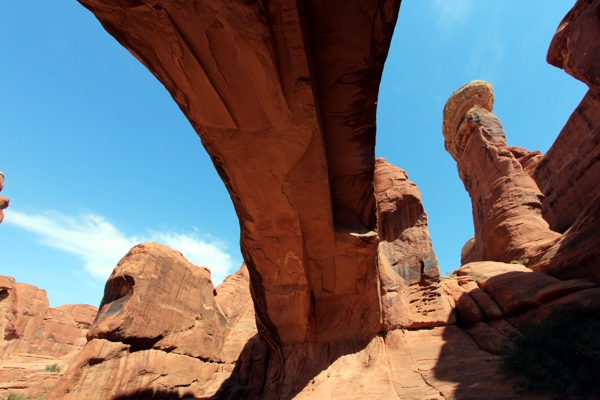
{"x":507,"y":210}
{"x":411,"y":294}
{"x":162,"y":326}
{"x":34,"y":336}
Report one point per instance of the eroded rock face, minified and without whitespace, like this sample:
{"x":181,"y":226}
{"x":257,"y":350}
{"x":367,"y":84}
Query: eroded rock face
{"x":3,"y":200}
{"x":34,"y":336}
{"x":282,"y":95}
{"x":577,"y":253}
{"x":409,"y":272}
{"x":507,"y":210}
{"x":568,"y":173}
{"x":162,"y":328}
{"x":153,"y":280}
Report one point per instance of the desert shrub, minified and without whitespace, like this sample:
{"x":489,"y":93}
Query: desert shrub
{"x":523,"y":261}
{"x":559,"y":356}
{"x":52,"y":368}
{"x":14,"y":396}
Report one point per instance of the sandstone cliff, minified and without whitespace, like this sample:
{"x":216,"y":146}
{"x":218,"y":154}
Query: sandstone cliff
{"x":35,"y":336}
{"x":161,"y":327}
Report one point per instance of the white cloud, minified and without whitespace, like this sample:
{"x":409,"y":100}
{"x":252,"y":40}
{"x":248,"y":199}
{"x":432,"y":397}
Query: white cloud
{"x":453,"y":12}
{"x":100,"y":245}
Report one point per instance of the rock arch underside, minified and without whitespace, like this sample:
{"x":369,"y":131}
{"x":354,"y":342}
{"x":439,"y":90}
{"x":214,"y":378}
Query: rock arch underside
{"x":340,"y":295}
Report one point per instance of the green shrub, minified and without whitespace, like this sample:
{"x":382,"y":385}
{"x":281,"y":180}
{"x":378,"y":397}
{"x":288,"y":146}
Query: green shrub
{"x":523,"y":261}
{"x":14,"y":396}
{"x":559,"y":356}
{"x":52,"y":368}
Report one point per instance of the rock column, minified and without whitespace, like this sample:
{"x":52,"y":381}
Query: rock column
{"x":507,"y":207}
{"x":409,"y":272}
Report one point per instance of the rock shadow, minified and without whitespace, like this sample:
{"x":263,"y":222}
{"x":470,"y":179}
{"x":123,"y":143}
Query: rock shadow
{"x":466,"y":366}
{"x":281,"y":373}
{"x":464,"y":371}
{"x":145,"y":394}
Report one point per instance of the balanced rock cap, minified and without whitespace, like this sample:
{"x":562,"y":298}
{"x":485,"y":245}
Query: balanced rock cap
{"x":475,"y":93}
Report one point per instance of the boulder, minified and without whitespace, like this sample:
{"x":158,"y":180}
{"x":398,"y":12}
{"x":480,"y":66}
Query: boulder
{"x":490,"y":309}
{"x":469,"y":312}
{"x":162,"y":330}
{"x":155,"y":298}
{"x":512,"y":286}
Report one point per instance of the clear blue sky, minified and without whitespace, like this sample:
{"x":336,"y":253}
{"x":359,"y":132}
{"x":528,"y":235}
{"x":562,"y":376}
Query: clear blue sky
{"x":98,"y":157}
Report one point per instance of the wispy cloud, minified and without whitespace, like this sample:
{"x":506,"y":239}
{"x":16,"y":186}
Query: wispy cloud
{"x":453,"y":12}
{"x":100,"y":245}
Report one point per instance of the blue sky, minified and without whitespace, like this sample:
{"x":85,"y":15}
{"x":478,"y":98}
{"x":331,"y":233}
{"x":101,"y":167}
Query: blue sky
{"x":98,"y":157}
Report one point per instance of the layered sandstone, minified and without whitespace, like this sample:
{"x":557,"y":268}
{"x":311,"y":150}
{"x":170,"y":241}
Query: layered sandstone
{"x":283,"y":97}
{"x":507,"y":210}
{"x":35,"y":336}
{"x":449,"y":362}
{"x":162,"y":327}
{"x":568,"y":173}
{"x":411,"y":295}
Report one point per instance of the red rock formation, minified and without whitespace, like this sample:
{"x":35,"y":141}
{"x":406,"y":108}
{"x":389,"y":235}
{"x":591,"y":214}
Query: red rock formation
{"x":526,"y":295}
{"x":568,"y":173}
{"x":438,"y":363}
{"x":3,"y":200}
{"x":162,"y":326}
{"x":574,"y":46}
{"x":577,"y":253}
{"x":283,"y":96}
{"x":153,"y":280}
{"x":34,"y":336}
{"x":507,"y":211}
{"x":411,"y":295}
